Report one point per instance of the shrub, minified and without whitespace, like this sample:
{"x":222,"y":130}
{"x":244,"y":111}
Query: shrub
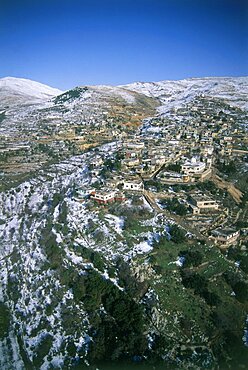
{"x":192,"y":258}
{"x":177,"y":234}
{"x":4,"y":320}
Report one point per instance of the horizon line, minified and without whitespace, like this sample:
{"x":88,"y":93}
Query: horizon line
{"x":129,"y":83}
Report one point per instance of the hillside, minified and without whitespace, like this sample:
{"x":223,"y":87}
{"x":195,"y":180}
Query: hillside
{"x":16,"y":91}
{"x":38,"y":121}
{"x":177,"y":93}
{"x":103,"y":264}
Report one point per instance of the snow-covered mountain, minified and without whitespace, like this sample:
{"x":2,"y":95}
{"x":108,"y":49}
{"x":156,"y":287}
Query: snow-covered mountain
{"x":15,"y":91}
{"x":27,"y":105}
{"x":18,"y":91}
{"x":234,"y":90}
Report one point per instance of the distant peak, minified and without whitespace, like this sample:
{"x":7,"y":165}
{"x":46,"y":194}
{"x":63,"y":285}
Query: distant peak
{"x":28,"y":87}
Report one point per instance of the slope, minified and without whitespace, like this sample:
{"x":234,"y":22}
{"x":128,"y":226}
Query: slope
{"x":173,"y":94}
{"x":15,"y":91}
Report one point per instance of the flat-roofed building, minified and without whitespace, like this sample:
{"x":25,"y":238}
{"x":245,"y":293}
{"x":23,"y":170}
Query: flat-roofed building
{"x":201,"y":203}
{"x":133,"y":185}
{"x":103,"y":196}
{"x":225,"y":236}
{"x":130,"y":162}
{"x":135,"y":145}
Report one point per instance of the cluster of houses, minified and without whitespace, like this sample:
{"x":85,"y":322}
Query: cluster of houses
{"x":178,"y":149}
{"x":191,"y":170}
{"x":118,"y":188}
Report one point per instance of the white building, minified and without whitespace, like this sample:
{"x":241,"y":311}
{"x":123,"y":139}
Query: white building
{"x":131,"y":162}
{"x":133,"y":185}
{"x":193,"y":167}
{"x":135,"y":145}
{"x":103,"y":196}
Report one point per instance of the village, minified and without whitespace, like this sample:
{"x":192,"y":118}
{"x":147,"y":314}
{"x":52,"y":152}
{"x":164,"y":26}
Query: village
{"x":184,"y":163}
{"x":178,"y":172}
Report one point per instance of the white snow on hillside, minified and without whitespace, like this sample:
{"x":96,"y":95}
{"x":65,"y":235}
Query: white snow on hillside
{"x":117,"y":92}
{"x":176,"y":93}
{"x":30,"y":88}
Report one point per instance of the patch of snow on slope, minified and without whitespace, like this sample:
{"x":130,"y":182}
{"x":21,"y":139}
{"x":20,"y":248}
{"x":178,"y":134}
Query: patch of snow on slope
{"x":116,"y":222}
{"x":143,"y":247}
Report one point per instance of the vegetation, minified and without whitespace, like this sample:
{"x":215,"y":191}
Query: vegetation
{"x":110,"y":165}
{"x":175,"y":167}
{"x":4,"y":320}
{"x":191,"y":258}
{"x":177,"y":234}
{"x":211,"y":187}
{"x":204,"y":297}
{"x":2,"y":116}
{"x":228,"y":169}
{"x":173,"y":205}
{"x":70,"y":95}
{"x":119,"y":332}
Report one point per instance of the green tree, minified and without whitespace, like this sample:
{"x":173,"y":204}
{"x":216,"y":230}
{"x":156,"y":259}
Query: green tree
{"x":177,"y":234}
{"x":192,"y":258}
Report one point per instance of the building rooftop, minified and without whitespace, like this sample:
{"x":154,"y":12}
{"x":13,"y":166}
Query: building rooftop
{"x":201,"y":198}
{"x":224,"y":232}
{"x":104,"y":191}
{"x":193,"y":163}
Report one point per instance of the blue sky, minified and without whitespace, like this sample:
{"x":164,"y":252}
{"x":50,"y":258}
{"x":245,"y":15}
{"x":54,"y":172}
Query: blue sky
{"x":65,"y":43}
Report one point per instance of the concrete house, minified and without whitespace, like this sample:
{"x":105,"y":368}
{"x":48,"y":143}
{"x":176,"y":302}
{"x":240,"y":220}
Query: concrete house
{"x":202,"y":204}
{"x":226,"y":236}
{"x":103,"y":196}
{"x":133,"y":185}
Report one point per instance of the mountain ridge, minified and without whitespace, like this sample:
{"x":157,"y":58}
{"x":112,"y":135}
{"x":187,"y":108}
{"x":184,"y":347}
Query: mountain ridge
{"x":233,"y":90}
{"x":14,"y":82}
{"x":170,"y":93}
